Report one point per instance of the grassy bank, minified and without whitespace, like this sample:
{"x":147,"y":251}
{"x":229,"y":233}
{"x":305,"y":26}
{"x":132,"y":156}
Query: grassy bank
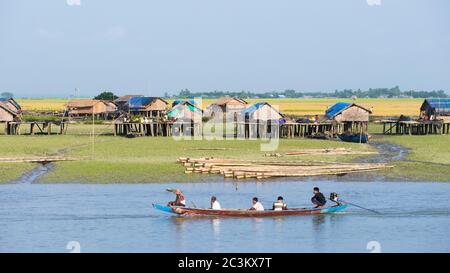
{"x":428,"y":158}
{"x":122,"y":160}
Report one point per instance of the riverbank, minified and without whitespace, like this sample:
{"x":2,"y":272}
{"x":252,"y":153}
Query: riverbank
{"x":144,"y":160}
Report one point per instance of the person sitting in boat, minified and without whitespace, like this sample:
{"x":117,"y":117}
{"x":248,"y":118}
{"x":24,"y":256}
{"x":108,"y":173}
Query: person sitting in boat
{"x":256,"y":204}
{"x":179,"y":199}
{"x":215,"y":204}
{"x":318,"y":199}
{"x":279,"y":204}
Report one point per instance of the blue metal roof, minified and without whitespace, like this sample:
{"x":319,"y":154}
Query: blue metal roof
{"x":336,"y":108}
{"x":440,"y":106}
{"x":136,"y":103}
{"x":254,"y":107}
{"x":175,"y":102}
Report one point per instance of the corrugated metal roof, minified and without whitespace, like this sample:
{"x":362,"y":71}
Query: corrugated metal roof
{"x":336,"y":108}
{"x":176,"y":102}
{"x":440,"y":106}
{"x":254,"y":107}
{"x":249,"y":110}
{"x":177,"y":111}
{"x":136,"y":103}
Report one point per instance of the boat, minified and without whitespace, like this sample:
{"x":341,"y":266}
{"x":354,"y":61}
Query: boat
{"x":357,"y":138}
{"x":319,"y":136}
{"x":248,"y":213}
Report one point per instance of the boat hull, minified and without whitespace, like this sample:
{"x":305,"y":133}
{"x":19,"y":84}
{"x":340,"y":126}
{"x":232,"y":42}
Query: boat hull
{"x":356,"y":138}
{"x":247,"y":213}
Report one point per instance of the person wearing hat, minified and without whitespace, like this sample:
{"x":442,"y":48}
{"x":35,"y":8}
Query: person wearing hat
{"x":179,"y":199}
{"x":279,"y":204}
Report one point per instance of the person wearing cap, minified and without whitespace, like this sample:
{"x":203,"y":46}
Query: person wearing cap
{"x":179,"y":199}
{"x":279,"y":204}
{"x":318,"y":199}
{"x":215,"y":204}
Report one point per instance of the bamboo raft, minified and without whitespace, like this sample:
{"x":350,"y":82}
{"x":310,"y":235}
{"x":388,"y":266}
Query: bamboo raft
{"x":245,"y":169}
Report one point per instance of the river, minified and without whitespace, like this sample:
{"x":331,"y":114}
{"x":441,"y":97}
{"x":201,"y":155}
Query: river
{"x":415,"y":217}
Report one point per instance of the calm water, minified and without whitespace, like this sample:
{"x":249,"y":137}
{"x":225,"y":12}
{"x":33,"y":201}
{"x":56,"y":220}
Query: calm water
{"x":119,"y":218}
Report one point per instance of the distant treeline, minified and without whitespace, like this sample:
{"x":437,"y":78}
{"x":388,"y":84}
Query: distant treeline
{"x":393,"y":92}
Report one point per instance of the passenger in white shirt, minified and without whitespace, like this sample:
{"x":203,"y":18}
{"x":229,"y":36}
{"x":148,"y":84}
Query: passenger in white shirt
{"x":279,"y":205}
{"x":215,"y":204}
{"x":256,"y":205}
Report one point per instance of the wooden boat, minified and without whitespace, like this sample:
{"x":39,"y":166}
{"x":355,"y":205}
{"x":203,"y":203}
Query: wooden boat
{"x":319,"y":136}
{"x":356,"y":138}
{"x":248,"y":213}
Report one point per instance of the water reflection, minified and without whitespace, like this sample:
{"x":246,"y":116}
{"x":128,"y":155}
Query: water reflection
{"x":257,"y":225}
{"x":279,"y":223}
{"x":119,"y":217}
{"x":179,"y":224}
{"x":215,"y":224}
{"x":318,"y":221}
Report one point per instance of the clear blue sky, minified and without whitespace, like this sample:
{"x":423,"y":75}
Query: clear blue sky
{"x":50,"y":47}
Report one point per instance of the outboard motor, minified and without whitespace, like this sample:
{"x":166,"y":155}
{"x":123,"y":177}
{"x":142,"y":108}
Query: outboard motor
{"x":335,"y":198}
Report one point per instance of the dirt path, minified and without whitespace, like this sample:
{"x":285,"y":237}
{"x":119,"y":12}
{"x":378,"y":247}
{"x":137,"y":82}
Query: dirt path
{"x":33,"y":175}
{"x":387,"y":152}
{"x":41,"y":169}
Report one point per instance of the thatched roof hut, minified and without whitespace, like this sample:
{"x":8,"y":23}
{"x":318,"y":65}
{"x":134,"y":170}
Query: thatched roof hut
{"x":90,"y":107}
{"x":122,"y":102}
{"x":262,"y":111}
{"x":226,"y":107}
{"x":9,"y":110}
{"x":186,"y":111}
{"x":147,"y":106}
{"x":230,"y":103}
{"x":348,"y":118}
{"x":348,"y":112}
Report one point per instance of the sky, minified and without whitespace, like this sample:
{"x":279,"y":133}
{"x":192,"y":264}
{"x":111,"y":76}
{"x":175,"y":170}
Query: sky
{"x":49,"y":48}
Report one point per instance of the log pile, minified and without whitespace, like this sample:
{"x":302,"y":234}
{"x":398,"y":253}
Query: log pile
{"x":242,"y":169}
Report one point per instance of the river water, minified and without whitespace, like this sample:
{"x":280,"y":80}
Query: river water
{"x":415,"y":217}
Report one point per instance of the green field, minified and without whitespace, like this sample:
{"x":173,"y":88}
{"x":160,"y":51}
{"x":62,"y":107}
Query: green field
{"x":146,"y":159}
{"x":428,"y":158}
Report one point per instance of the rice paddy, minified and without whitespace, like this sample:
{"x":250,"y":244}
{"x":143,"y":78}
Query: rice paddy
{"x":300,"y":107}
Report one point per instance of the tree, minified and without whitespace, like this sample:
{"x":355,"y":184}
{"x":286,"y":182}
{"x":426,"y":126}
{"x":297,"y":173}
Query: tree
{"x":6,"y":95}
{"x":106,"y":96}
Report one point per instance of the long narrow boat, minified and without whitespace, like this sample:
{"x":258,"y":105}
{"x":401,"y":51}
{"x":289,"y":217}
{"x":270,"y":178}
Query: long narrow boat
{"x":248,"y":213}
{"x":356,"y":138}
